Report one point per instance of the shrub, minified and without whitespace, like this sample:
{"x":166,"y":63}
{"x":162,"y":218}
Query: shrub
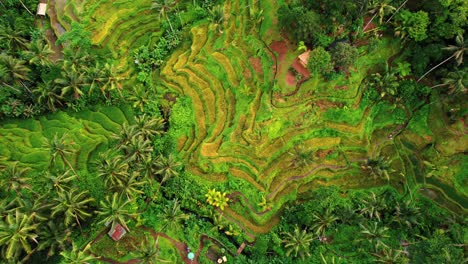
{"x":320,"y":61}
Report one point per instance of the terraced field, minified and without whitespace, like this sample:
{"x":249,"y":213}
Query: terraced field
{"x":251,"y":126}
{"x":88,"y":131}
{"x":119,"y":26}
{"x":245,"y":130}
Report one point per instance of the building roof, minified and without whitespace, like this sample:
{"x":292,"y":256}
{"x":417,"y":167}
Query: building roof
{"x":117,"y":232}
{"x":41,"y":9}
{"x":304,"y":58}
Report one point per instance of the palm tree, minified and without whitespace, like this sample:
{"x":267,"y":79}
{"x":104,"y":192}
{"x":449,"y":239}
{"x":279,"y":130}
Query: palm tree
{"x":48,"y":93}
{"x":390,"y":256}
{"x":300,"y":157}
{"x":455,"y":81}
{"x":53,"y":237}
{"x":458,"y":52}
{"x":138,"y":149}
{"x":148,"y":252}
{"x":72,"y":82}
{"x":372,"y":206}
{"x":323,"y":221}
{"x":297,"y":242}
{"x":167,"y":167}
{"x":72,"y":205}
{"x":13,"y":71}
{"x":105,"y":78}
{"x":378,"y":167}
{"x":131,"y":186}
{"x":61,"y":182}
{"x":147,"y":168}
{"x":407,"y":214}
{"x":216,"y":198}
{"x":396,"y":11}
{"x":217,"y":17}
{"x":77,"y":256}
{"x":14,"y":178}
{"x":60,"y":147}
{"x":172,"y":216}
{"x":114,"y":210}
{"x":16,"y":233}
{"x":139,"y":97}
{"x":36,"y":207}
{"x":163,"y":7}
{"x":149,"y":126}
{"x":375,"y":234}
{"x":77,"y":59}
{"x":14,"y":38}
{"x":114,"y":170}
{"x":126,"y":134}
{"x":380,"y":8}
{"x":39,"y":53}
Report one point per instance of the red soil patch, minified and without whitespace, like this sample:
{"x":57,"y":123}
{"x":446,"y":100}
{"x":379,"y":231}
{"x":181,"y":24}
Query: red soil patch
{"x":323,"y":153}
{"x":370,"y":26}
{"x":290,"y":79}
{"x":341,"y":87}
{"x":324,"y":104}
{"x":256,"y":64}
{"x":280,"y":47}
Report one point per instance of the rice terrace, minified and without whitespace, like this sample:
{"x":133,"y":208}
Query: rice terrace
{"x":233,"y":131}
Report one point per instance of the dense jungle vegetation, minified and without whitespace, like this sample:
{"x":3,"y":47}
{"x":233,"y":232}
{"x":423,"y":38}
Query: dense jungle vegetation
{"x":300,"y":131}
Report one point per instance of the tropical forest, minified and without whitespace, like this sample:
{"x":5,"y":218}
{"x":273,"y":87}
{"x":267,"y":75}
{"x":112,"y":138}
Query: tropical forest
{"x":233,"y":131}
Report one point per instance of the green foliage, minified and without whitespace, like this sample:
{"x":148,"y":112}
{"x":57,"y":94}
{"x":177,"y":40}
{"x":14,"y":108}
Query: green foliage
{"x":413,"y":25}
{"x":217,"y":199}
{"x":77,"y":38}
{"x":182,"y":118}
{"x":344,"y":55}
{"x":299,"y":21}
{"x":320,"y":61}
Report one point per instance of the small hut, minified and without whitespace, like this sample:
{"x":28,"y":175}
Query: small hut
{"x":41,"y":9}
{"x":304,"y":58}
{"x":117,"y":232}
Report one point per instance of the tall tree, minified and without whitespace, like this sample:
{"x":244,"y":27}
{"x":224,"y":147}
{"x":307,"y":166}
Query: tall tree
{"x":323,"y":221}
{"x":456,"y":81}
{"x":16,"y":233}
{"x":72,"y":82}
{"x":14,"y":38}
{"x":60,"y":147}
{"x":115,"y":210}
{"x":131,"y":186}
{"x":149,"y":253}
{"x":72,"y":205}
{"x":39,"y":53}
{"x":77,"y":256}
{"x":378,"y":8}
{"x":167,"y":167}
{"x":13,"y":71}
{"x":163,"y":7}
{"x":14,"y":178}
{"x":172,"y":216}
{"x":53,"y":237}
{"x":458,"y":52}
{"x":138,"y":149}
{"x":149,"y":126}
{"x":113,"y":169}
{"x":60,"y":182}
{"x":48,"y":93}
{"x":375,"y":234}
{"x":297,"y":242}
